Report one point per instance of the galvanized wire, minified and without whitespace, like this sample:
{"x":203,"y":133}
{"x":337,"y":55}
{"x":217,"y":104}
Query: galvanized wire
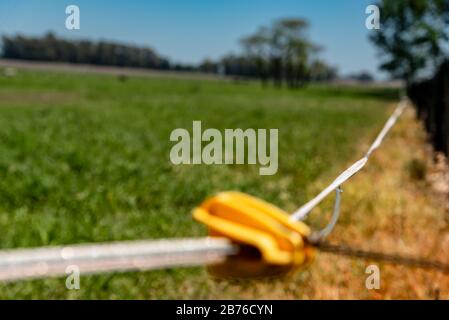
{"x":322,"y":234}
{"x":396,"y":259}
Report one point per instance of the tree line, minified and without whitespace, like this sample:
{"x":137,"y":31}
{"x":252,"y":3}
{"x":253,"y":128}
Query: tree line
{"x":50,"y":48}
{"x":280,"y":54}
{"x":413,"y":37}
{"x":432,"y":105}
{"x":413,"y":43}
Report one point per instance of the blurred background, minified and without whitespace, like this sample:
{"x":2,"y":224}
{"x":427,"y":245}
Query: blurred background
{"x":86,"y":116}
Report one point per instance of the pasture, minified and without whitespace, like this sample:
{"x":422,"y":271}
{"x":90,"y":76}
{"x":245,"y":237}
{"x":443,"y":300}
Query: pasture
{"x":85,"y":158}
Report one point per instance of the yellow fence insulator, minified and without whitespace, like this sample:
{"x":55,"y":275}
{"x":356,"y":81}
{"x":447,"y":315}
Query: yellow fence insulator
{"x":270,"y":242}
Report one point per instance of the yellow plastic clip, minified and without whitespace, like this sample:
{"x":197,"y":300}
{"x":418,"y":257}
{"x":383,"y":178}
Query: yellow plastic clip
{"x":270,"y":243}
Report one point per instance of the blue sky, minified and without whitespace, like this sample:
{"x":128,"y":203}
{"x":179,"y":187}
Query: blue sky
{"x":191,"y":30}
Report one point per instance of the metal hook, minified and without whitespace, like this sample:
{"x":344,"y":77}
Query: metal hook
{"x":317,"y":236}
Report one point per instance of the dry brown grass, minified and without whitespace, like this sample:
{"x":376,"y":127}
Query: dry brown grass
{"x":386,"y":209}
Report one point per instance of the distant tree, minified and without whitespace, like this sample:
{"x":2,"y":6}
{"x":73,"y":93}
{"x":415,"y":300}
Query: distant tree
{"x":295,"y":50}
{"x":256,"y":47}
{"x":363,"y":76}
{"x":412,"y":35}
{"x":320,"y":71}
{"x":240,"y":66}
{"x":281,"y":52}
{"x":208,"y":66}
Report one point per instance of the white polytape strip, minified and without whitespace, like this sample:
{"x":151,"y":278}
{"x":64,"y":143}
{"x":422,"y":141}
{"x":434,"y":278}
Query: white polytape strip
{"x":302,"y":212}
{"x":305,"y":209}
{"x":388,"y":125}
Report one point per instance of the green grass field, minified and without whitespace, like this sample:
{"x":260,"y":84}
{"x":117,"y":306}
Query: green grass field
{"x":85,"y":158}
